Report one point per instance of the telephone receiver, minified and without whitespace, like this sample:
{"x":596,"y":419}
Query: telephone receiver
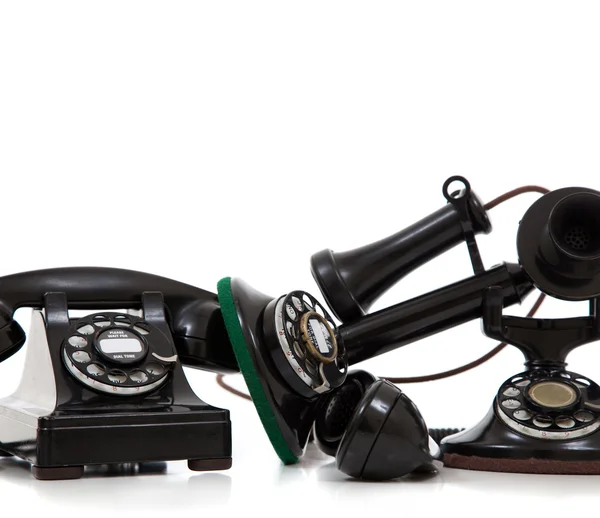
{"x":109,"y":387}
{"x":295,"y":358}
{"x":352,"y":281}
{"x":193,"y":314}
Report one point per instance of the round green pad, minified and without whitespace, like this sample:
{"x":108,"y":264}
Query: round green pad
{"x":248,"y":369}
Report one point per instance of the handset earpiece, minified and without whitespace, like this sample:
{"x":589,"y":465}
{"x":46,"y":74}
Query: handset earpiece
{"x":558,"y":243}
{"x":337,"y":408}
{"x":12,"y":338}
{"x":380,"y":435}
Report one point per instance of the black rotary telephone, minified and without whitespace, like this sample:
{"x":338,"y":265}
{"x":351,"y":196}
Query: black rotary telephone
{"x":109,"y":387}
{"x":114,"y":378}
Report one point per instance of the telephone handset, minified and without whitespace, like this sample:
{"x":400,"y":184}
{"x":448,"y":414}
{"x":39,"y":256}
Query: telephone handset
{"x":194,"y":315}
{"x":109,"y":387}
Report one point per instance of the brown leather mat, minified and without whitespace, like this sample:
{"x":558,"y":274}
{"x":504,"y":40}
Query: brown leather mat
{"x":540,"y":466}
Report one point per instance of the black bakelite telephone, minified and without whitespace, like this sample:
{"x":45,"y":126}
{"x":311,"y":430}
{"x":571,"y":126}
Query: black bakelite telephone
{"x":109,"y":387}
{"x":115,"y":378}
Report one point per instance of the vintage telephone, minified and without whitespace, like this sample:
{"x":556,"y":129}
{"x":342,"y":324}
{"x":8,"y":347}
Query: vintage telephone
{"x":109,"y":387}
{"x":295,"y":359}
{"x":545,"y":419}
{"x":115,"y":378}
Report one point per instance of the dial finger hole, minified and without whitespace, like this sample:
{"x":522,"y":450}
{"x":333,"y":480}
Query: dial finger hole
{"x":117,"y":376}
{"x":155,"y":369}
{"x":299,"y":351}
{"x":522,"y":415}
{"x":307,"y":302}
{"x":102,"y":323}
{"x":584,"y":417}
{"x":95,"y":369}
{"x":523,"y":383}
{"x":141,"y":329}
{"x":565,"y":422}
{"x":311,"y":369}
{"x":86,"y":329}
{"x":511,"y":404}
{"x":122,"y":320}
{"x":81,"y":357}
{"x":319,"y":310}
{"x":78,"y":341}
{"x":138,"y":376}
{"x":542,"y":422}
{"x":511,"y":392}
{"x":297,"y":303}
{"x":291,"y":312}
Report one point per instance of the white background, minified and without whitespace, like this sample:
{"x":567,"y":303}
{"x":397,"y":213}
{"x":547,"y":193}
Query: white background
{"x":197,"y":140}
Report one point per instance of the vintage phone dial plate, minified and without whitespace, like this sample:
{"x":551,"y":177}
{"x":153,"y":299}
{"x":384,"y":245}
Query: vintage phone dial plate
{"x":112,"y":353}
{"x":307,"y":338}
{"x":556,"y":405}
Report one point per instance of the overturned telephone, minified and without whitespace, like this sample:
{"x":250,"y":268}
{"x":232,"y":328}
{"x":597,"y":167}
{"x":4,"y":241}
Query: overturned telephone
{"x":114,"y":377}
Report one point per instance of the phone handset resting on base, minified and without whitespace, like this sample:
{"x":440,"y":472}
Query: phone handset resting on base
{"x":109,"y":387}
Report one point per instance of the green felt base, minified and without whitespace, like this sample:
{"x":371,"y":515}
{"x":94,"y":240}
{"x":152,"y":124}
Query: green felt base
{"x":249,"y":371}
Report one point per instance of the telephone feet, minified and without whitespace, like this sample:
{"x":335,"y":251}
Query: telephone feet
{"x":58,"y":473}
{"x":209,"y":464}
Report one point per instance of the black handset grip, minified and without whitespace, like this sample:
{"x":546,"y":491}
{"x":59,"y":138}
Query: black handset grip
{"x":197,"y":325}
{"x":431,"y":313}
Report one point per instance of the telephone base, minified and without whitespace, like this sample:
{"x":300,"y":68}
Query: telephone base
{"x":543,"y":420}
{"x":492,"y":446}
{"x":58,"y":445}
{"x":61,"y":425}
{"x":5,"y":454}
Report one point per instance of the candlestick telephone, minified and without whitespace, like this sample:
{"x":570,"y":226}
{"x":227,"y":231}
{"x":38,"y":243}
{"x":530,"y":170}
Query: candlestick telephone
{"x":115,"y":378}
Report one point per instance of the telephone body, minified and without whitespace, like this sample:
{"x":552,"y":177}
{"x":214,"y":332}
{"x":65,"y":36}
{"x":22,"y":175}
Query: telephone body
{"x":109,"y":387}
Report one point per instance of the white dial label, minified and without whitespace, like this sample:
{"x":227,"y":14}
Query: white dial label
{"x":319,"y":331}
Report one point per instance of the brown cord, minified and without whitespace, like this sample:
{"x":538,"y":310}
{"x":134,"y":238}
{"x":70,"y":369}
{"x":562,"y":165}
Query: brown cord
{"x":223,"y":384}
{"x":459,"y":370}
{"x":515,"y":192}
